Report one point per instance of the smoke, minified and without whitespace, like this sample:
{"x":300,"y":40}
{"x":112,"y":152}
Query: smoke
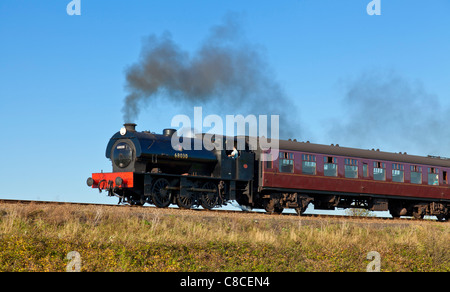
{"x":226,"y":71}
{"x":389,"y":112}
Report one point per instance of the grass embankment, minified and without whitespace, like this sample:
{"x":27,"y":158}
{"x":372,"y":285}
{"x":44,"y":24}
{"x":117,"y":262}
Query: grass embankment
{"x":39,"y":238}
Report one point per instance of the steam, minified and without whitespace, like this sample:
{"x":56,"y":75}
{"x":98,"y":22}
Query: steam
{"x":225,"y":70}
{"x":389,"y":112}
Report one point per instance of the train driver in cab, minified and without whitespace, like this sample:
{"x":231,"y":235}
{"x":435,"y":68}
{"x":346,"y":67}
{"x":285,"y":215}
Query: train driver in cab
{"x":234,"y":154}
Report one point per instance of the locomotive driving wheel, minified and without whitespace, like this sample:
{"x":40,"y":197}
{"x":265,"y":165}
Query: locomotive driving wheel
{"x":185,"y":201}
{"x":185,"y":198}
{"x":161,"y":196}
{"x":209,"y":199}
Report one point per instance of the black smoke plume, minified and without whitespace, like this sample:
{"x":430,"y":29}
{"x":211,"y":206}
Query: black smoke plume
{"x":387,"y":111}
{"x":225,"y":70}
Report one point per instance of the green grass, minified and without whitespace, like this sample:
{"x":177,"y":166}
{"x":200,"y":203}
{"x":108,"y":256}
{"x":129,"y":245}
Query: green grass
{"x":39,"y":237}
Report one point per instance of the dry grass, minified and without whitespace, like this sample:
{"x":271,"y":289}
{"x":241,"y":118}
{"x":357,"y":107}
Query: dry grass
{"x":39,"y":237}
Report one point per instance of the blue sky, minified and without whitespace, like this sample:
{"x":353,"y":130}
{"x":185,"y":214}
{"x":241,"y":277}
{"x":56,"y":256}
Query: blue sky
{"x":62,"y":77}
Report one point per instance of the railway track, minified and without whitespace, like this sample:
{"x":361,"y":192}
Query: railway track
{"x":10,"y":201}
{"x":221,"y":211}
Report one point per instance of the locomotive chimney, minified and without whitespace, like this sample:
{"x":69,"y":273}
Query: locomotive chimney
{"x":130,"y":127}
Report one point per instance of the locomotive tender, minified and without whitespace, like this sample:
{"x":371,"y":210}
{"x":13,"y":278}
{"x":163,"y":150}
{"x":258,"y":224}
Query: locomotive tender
{"x":146,"y":169}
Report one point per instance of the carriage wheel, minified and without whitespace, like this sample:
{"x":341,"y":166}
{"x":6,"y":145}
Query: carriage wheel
{"x":417,"y":214}
{"x":272,"y":206}
{"x":299,"y":211}
{"x":210,"y":199}
{"x":440,"y":217}
{"x":160,"y":194}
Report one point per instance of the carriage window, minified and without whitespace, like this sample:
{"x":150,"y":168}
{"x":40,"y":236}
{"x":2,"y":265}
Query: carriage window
{"x":286,"y":162}
{"x":329,"y":166}
{"x":398,"y":172}
{"x":351,"y":168}
{"x":416,"y":174}
{"x":379,"y":171}
{"x":444,"y":177}
{"x":308,"y":164}
{"x":365,"y":170}
{"x":433,"y":176}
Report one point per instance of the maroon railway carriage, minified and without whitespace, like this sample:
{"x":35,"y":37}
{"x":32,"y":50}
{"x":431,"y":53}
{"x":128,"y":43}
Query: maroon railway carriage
{"x":333,"y":176}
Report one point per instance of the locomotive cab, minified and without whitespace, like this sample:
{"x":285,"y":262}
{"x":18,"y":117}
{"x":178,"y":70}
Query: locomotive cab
{"x":238,"y":168}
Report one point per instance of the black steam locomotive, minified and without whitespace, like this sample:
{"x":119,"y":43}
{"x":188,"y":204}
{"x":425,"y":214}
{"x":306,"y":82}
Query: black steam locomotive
{"x":147,"y":169}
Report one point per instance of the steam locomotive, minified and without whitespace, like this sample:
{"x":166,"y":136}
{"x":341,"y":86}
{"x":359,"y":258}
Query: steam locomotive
{"x":147,"y":169}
